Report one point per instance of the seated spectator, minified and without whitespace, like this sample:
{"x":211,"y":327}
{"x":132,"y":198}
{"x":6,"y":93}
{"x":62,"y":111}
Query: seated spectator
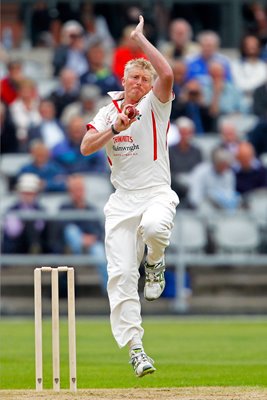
{"x":96,"y":28}
{"x":83,"y":236}
{"x":255,"y":15}
{"x":9,"y":85}
{"x":51,"y":174}
{"x":209,"y":43}
{"x":67,"y":91}
{"x":213,"y":182}
{"x":221,"y":95}
{"x":99,"y":73}
{"x":24,"y":111}
{"x":184,"y":156}
{"x":249,"y":71}
{"x":258,"y":137}
{"x":71,"y":52}
{"x":180,"y":44}
{"x":191,"y":104}
{"x":250,"y":173}
{"x":25,"y":236}
{"x":69,"y":155}
{"x":9,"y":142}
{"x":228,"y":135}
{"x":179,"y":68}
{"x":86,"y":107}
{"x":49,"y":130}
{"x":126,"y":51}
{"x":259,"y":102}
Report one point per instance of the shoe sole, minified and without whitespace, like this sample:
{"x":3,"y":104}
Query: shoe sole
{"x":146,"y":372}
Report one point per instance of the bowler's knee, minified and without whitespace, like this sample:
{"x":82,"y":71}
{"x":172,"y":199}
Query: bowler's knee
{"x":154,"y":229}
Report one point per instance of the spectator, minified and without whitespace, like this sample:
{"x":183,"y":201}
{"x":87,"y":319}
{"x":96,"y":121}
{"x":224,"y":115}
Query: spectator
{"x":40,"y":22}
{"x":184,"y":156}
{"x":222,"y":95}
{"x":99,"y":73}
{"x":259,"y":104}
{"x":180,"y":44}
{"x":49,"y":130}
{"x":24,"y":111}
{"x":258,"y":137}
{"x":67,"y":91}
{"x":213,"y":182}
{"x":209,"y":43}
{"x":71,"y":52}
{"x":83,"y":235}
{"x":9,"y":85}
{"x":191,"y":104}
{"x":126,"y":51}
{"x":179,"y":68}
{"x":256,"y":16}
{"x":9,"y":142}
{"x":249,"y":71}
{"x":69,"y":155}
{"x":25,"y":236}
{"x":86,"y":106}
{"x":250,"y":173}
{"x":96,"y":28}
{"x":228,"y":136}
{"x":51,"y":174}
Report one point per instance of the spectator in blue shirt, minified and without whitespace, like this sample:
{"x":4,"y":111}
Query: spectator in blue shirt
{"x":209,"y":51}
{"x":69,"y":155}
{"x":221,"y":95}
{"x":51,"y":174}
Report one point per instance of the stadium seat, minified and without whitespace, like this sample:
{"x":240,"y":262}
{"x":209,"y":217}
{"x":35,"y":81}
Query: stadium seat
{"x":98,"y":189}
{"x":6,"y":202}
{"x":257,"y":205}
{"x":10,"y":164}
{"x":188,"y":234}
{"x":3,"y":186}
{"x":235,"y":233}
{"x":51,"y":202}
{"x":263,"y":158}
{"x":206,"y":144}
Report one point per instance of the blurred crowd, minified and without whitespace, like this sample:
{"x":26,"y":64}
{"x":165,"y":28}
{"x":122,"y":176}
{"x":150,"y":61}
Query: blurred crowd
{"x":218,"y":94}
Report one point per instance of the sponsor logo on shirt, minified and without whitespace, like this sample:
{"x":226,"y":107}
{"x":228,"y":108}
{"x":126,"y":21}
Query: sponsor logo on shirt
{"x":124,"y":146}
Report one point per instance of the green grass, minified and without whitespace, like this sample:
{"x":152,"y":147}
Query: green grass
{"x":187,"y":352}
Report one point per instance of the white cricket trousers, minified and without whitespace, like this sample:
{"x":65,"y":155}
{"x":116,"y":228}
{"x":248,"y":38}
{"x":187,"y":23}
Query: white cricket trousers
{"x":134,"y":219}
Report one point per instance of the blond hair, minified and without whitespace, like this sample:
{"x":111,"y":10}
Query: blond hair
{"x":141,"y":63}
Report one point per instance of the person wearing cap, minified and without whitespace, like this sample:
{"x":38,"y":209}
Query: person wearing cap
{"x":21,"y":236}
{"x":71,"y":52}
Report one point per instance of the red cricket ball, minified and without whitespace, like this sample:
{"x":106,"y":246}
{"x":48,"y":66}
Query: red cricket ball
{"x":130,"y":111}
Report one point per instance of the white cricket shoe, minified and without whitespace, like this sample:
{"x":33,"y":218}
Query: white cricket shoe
{"x":155,"y":280}
{"x":142,"y":364}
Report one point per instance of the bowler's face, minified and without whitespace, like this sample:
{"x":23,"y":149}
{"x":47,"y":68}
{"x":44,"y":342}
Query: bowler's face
{"x":136,"y":84}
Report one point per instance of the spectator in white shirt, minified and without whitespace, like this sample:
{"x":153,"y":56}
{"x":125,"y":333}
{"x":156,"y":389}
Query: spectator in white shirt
{"x":213,"y":182}
{"x":249,"y":71}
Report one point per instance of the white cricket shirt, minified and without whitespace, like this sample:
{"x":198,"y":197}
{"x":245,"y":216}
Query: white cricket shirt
{"x":138,"y":156}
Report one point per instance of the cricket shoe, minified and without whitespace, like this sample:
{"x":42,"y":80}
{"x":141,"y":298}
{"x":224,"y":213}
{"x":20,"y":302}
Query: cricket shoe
{"x":142,"y":364}
{"x":155,"y":281}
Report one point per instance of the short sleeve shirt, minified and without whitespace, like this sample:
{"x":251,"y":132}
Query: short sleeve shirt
{"x":138,"y":156}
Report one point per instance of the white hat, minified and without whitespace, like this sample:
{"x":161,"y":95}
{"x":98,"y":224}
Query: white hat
{"x":28,"y":183}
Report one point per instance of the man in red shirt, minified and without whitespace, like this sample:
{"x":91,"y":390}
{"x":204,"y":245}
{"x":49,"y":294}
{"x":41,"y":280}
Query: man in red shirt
{"x":9,"y":84}
{"x":126,"y":51}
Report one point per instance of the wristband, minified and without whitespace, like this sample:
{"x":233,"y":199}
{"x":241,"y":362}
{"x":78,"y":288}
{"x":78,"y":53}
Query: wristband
{"x":114,"y":130}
